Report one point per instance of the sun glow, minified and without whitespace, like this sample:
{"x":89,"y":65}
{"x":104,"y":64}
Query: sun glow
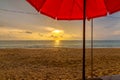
{"x":57,"y":31}
{"x":57,"y":34}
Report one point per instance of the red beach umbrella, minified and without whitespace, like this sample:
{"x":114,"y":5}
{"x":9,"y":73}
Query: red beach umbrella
{"x":73,"y":9}
{"x":76,"y":10}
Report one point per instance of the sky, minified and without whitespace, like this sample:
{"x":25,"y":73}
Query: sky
{"x":22,"y":26}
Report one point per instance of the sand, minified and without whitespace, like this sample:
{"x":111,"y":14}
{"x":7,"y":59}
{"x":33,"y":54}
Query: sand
{"x":56,"y":63}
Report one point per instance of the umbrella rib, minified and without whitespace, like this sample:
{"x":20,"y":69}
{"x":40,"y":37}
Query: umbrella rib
{"x":72,"y":9}
{"x":42,"y":5}
{"x":59,"y":10}
{"x":79,"y":6}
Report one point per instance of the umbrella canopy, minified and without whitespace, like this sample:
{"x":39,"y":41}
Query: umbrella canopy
{"x":73,"y":9}
{"x":112,"y":5}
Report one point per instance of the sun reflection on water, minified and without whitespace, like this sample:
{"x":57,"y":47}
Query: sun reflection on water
{"x":57,"y":43}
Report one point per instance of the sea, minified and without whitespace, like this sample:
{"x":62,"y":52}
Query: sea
{"x":58,"y":43}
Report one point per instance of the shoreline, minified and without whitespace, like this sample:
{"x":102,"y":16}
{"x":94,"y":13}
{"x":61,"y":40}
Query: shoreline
{"x":65,"y":48}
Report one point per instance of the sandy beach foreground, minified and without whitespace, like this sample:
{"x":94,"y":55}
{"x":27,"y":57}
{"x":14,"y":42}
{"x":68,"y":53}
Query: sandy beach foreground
{"x":56,"y":63}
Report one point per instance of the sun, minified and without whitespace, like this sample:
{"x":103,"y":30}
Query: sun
{"x":57,"y":34}
{"x":56,"y":31}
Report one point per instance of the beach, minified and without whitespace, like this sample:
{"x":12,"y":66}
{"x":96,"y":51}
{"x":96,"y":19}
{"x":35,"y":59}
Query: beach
{"x":56,"y":63}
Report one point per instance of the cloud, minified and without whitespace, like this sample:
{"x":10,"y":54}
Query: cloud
{"x":1,"y":25}
{"x":49,"y":28}
{"x":28,"y":32}
{"x":18,"y":31}
{"x":116,"y":32}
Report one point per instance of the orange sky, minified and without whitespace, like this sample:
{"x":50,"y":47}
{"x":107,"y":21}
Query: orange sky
{"x":20,"y":26}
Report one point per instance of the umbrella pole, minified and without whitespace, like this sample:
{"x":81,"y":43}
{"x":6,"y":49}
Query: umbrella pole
{"x":84,"y":39}
{"x":92,"y":48}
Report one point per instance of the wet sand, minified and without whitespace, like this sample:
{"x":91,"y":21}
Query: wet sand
{"x":56,"y":63}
